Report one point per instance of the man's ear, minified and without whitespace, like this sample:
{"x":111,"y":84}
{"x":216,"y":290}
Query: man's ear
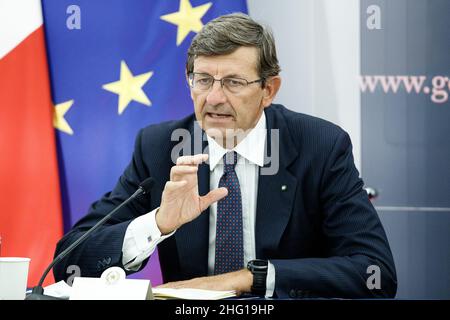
{"x":271,"y":88}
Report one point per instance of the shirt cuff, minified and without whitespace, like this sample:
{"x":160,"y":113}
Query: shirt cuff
{"x":270,"y":280}
{"x":141,"y":238}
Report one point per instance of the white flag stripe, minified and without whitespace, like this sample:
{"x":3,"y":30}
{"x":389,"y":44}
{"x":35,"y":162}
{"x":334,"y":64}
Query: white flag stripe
{"x":18,"y":19}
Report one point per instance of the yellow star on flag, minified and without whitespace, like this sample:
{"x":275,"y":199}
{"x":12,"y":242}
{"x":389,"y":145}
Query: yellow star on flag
{"x":187,"y":19}
{"x":59,"y":122}
{"x":129,"y":87}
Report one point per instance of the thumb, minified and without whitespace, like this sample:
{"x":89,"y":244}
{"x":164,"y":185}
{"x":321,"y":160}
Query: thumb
{"x":212,"y":196}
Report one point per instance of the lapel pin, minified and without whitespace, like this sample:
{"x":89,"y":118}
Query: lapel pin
{"x":283,"y":187}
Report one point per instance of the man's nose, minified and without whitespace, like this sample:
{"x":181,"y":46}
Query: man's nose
{"x":216,"y":95}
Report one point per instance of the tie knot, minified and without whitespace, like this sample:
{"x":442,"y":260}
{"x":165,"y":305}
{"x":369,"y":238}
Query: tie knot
{"x":229,"y":161}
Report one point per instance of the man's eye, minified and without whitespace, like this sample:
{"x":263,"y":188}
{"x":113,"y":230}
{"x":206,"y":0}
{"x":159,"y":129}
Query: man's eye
{"x":234,"y":82}
{"x":203,"y":81}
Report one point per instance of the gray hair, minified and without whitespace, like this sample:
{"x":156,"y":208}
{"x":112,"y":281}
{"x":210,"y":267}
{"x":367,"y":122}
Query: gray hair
{"x":227,"y":33}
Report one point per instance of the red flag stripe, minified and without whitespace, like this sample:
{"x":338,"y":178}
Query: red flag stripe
{"x":30,"y":208}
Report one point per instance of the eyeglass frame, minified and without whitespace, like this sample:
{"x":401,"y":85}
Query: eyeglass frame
{"x":191,"y":74}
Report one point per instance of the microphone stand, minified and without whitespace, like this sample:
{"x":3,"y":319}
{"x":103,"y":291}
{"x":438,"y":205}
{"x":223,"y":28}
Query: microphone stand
{"x":38,"y":291}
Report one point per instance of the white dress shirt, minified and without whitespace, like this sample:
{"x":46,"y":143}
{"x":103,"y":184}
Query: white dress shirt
{"x":143,"y":235}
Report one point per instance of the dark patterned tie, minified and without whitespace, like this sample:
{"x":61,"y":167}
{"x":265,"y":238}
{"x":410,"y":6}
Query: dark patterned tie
{"x":229,"y":233}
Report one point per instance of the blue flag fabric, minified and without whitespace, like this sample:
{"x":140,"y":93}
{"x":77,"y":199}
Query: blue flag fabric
{"x":116,"y":66}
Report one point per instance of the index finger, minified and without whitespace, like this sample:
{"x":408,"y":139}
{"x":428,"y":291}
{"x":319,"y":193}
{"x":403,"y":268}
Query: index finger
{"x":194,"y":160}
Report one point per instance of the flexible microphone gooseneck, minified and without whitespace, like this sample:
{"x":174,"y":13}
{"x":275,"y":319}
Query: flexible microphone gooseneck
{"x":38,"y":291}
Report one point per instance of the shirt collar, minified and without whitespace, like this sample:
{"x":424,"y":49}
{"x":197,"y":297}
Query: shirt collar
{"x":251,"y":148}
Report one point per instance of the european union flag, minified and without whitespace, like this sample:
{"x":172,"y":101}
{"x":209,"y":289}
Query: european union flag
{"x":116,"y":66}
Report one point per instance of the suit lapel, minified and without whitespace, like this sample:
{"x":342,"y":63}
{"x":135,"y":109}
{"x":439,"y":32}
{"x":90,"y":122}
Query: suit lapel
{"x":192,"y":238}
{"x":276,"y":192}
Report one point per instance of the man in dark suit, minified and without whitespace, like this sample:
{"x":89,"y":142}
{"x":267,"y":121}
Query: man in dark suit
{"x":254,"y":198}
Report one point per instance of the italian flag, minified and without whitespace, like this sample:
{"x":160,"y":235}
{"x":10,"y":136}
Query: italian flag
{"x":30,"y":205}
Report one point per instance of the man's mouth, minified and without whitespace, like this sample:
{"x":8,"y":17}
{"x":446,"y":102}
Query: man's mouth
{"x":218,"y":115}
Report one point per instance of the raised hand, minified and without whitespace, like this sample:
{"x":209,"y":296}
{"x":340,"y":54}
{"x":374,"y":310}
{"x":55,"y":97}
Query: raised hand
{"x":180,"y":202}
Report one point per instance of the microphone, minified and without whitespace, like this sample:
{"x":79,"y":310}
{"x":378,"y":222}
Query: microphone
{"x":38,"y":291}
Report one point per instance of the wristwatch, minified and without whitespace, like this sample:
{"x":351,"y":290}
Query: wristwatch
{"x":258,"y":268}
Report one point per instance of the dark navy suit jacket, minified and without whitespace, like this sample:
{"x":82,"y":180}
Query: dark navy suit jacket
{"x":314,"y":220}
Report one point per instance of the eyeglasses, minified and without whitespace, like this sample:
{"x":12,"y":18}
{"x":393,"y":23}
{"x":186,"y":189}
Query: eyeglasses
{"x":202,"y":82}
